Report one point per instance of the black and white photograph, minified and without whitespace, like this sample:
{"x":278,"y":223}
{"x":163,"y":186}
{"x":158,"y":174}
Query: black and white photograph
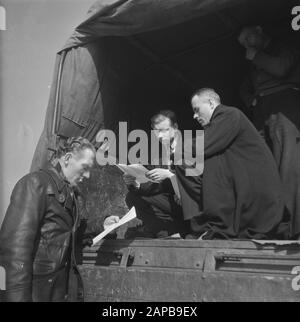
{"x":150,"y":153}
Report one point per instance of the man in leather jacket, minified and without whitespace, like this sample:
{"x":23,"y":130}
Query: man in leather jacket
{"x":37,"y":237}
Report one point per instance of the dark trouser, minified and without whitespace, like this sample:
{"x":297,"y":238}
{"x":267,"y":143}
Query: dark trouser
{"x":277,"y":118}
{"x":191,"y":199}
{"x":158,"y":213}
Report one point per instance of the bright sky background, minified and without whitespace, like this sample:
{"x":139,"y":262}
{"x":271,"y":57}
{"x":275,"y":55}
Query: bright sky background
{"x":35,"y":31}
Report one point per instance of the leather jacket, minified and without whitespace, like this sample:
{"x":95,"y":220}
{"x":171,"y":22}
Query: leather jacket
{"x":37,"y":236}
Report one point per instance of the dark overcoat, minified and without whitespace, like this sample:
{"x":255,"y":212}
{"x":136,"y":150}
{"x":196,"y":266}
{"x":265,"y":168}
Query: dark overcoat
{"x":242,"y":192}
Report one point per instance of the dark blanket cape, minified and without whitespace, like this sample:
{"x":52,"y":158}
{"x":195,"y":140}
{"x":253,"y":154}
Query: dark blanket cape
{"x":242,"y":193}
{"x":278,"y":117}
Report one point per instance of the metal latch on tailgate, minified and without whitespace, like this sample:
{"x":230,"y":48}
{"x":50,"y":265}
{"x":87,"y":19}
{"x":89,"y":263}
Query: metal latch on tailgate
{"x":126,"y":257}
{"x":249,"y":263}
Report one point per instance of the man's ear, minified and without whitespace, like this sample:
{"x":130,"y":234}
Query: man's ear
{"x":259,"y":29}
{"x":68,"y":156}
{"x":175,"y":126}
{"x":211,"y":103}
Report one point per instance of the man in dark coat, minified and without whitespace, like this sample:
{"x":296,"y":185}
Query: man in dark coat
{"x":242,"y":196}
{"x":271,"y":91}
{"x":37,"y":237}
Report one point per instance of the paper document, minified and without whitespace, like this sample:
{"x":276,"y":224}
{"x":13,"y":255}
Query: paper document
{"x":136,"y":170}
{"x":175,"y":185}
{"x":129,"y":216}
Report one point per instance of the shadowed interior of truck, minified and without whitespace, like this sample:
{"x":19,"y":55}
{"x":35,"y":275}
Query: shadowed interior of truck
{"x":119,"y":68}
{"x":143,"y":73}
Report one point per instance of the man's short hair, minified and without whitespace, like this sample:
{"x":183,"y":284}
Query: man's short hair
{"x":162,"y":115}
{"x":209,"y":92}
{"x":73,"y":144}
{"x":252,"y":29}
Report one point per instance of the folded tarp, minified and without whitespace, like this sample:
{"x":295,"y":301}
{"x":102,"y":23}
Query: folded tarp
{"x":129,"y":17}
{"x":93,"y":73}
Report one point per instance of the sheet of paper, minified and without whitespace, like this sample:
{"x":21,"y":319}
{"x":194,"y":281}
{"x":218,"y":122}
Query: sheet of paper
{"x":129,"y":216}
{"x":136,"y":170}
{"x":175,"y":185}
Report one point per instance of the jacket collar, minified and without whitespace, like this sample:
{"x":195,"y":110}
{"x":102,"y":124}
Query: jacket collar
{"x":55,"y":171}
{"x":215,"y":113}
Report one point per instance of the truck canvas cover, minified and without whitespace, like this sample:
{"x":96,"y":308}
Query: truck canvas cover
{"x":127,"y":58}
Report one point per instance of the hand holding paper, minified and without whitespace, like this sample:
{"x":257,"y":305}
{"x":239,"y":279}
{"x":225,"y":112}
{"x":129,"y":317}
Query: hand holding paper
{"x":159,"y":174}
{"x":129,"y":216}
{"x":110,"y":221}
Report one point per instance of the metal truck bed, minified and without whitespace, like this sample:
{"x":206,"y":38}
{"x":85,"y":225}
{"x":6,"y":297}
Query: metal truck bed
{"x":191,"y":270}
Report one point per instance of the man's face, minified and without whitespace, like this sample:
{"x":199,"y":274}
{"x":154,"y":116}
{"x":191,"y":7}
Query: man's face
{"x":165,"y":131}
{"x":203,"y":108}
{"x":78,"y":165}
{"x":252,"y":37}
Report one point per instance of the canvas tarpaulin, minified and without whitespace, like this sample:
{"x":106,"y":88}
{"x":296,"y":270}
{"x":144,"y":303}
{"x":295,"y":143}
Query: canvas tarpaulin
{"x":105,"y":62}
{"x":130,"y":58}
{"x":128,"y":17}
